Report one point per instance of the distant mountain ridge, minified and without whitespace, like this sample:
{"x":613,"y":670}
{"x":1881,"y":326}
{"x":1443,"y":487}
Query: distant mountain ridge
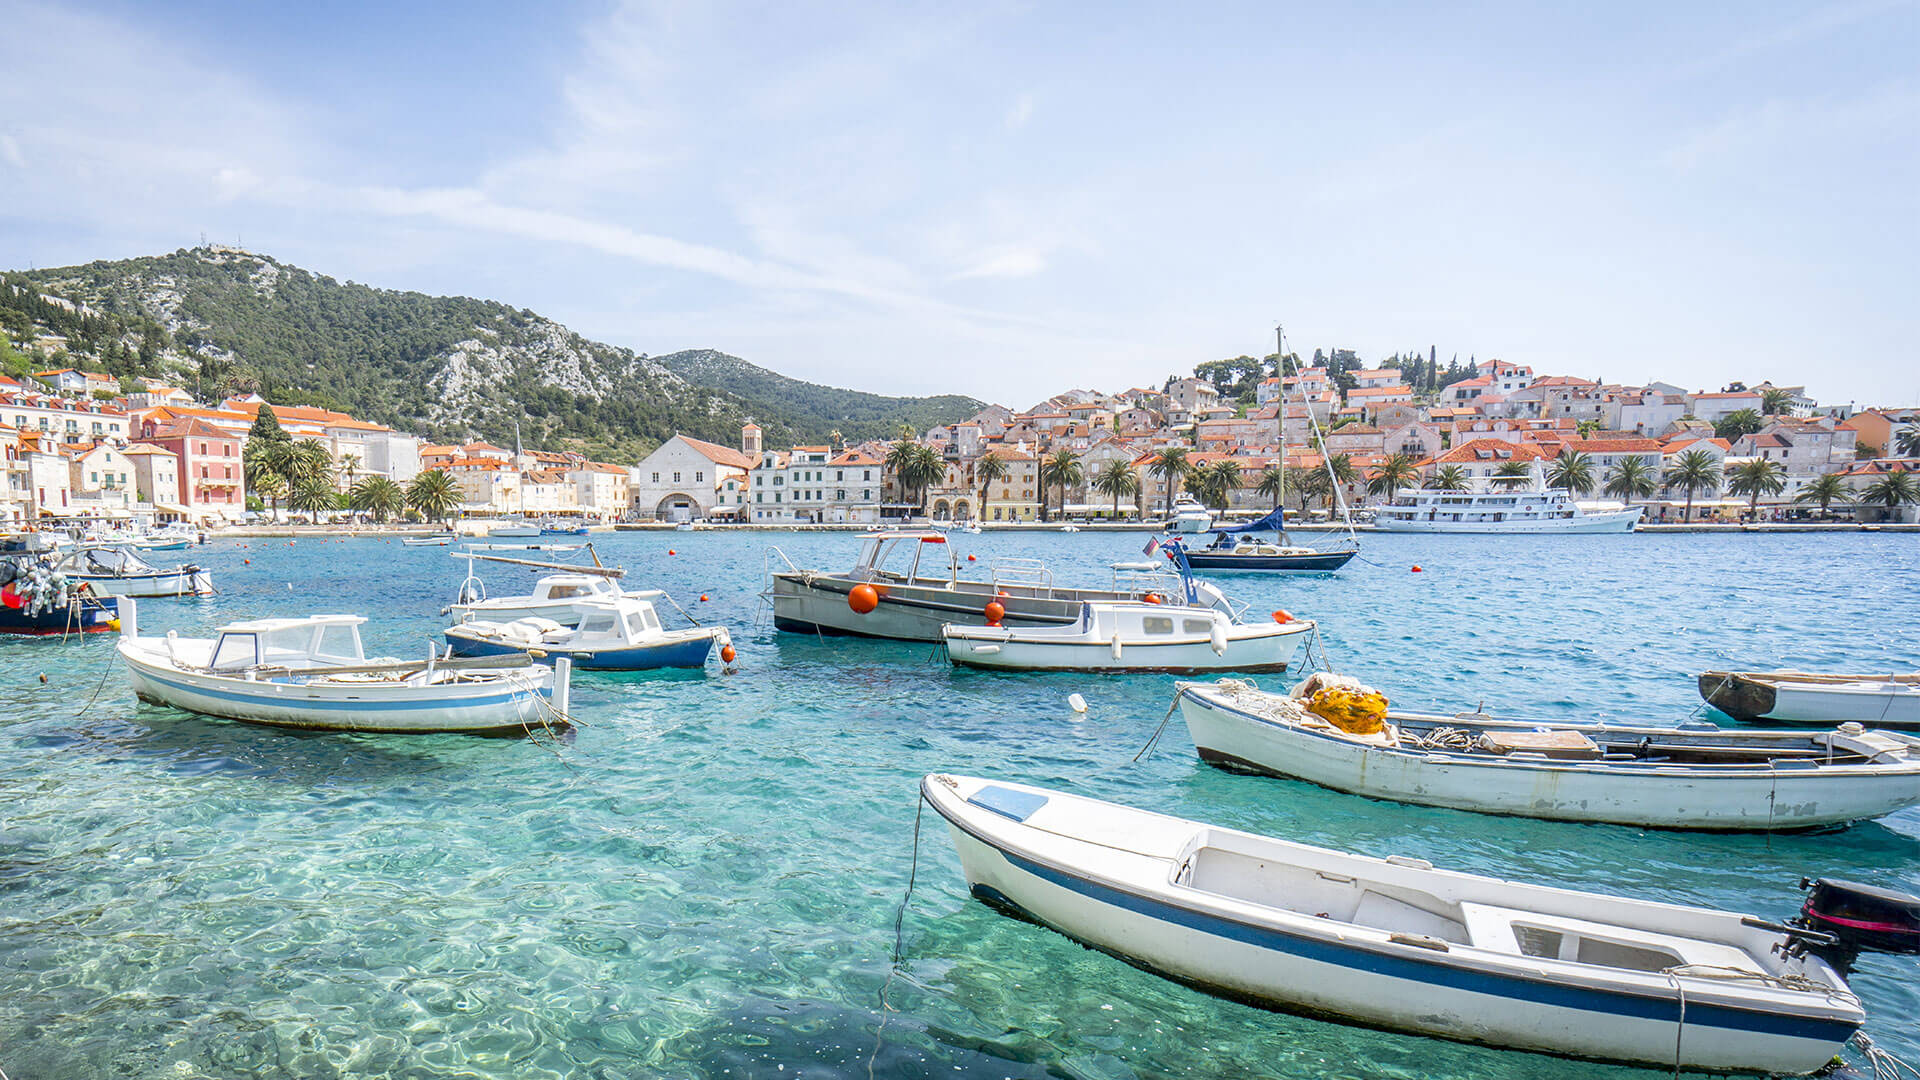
{"x":224,"y":320}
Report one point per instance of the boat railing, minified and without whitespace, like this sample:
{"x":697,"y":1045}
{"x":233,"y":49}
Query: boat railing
{"x":1022,"y":573}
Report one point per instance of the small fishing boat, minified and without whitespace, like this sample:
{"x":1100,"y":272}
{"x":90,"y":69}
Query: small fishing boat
{"x":1798,"y":697}
{"x":513,"y":530}
{"x":622,"y":634}
{"x":37,"y":600}
{"x":1116,"y":635}
{"x":1396,"y":943}
{"x":1691,"y":777}
{"x":1238,"y":547}
{"x":561,"y":598}
{"x":311,"y":673}
{"x":113,"y":570}
{"x":427,"y":541}
{"x":887,"y":594}
{"x":559,"y":527}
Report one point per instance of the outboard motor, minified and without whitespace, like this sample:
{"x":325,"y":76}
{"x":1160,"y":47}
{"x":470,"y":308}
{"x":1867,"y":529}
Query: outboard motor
{"x":1858,"y":918}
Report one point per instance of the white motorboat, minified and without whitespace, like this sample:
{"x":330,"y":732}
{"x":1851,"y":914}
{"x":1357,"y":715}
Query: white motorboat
{"x":114,"y":570}
{"x":886,"y":595}
{"x":427,"y":541}
{"x":562,"y":598}
{"x":1695,"y":777}
{"x":1116,"y":635}
{"x":1395,"y":943}
{"x":311,"y":673}
{"x":622,"y":634}
{"x":514,"y":530}
{"x":1189,"y":516}
{"x":1550,"y":510}
{"x":1798,"y":697}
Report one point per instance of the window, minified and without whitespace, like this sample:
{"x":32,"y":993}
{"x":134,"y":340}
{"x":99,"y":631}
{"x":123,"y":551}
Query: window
{"x":700,"y":477}
{"x":866,"y":474}
{"x":656,"y":478}
{"x":1196,"y":626}
{"x":1157,"y":624}
{"x":676,"y":478}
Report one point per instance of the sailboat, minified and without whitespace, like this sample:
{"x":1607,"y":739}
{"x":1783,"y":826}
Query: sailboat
{"x":1239,"y":547}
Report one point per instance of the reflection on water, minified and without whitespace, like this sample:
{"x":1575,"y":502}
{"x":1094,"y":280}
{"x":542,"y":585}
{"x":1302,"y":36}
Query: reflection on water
{"x":703,"y":881}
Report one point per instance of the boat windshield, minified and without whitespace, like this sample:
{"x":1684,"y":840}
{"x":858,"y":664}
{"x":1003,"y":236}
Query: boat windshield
{"x":599,"y":622}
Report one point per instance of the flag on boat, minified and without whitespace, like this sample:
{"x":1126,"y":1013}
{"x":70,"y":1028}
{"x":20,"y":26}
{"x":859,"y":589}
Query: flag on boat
{"x":1153,"y":545}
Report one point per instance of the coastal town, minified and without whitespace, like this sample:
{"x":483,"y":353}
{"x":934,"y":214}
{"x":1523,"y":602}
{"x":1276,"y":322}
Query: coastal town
{"x":1315,"y":436}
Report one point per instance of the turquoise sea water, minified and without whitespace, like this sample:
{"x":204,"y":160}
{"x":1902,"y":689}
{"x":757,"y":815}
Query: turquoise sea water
{"x":703,"y":880}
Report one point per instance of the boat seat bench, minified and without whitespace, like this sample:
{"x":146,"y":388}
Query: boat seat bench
{"x":1565,"y":938}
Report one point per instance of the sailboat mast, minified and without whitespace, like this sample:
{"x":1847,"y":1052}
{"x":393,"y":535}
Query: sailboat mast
{"x":1280,"y":369}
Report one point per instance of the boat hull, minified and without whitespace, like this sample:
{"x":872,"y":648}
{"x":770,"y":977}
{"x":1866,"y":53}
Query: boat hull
{"x":167,"y":583}
{"x":817,"y":603}
{"x":1604,"y":521}
{"x":1761,"y":700}
{"x":96,"y":617}
{"x":1791,"y":795}
{"x":691,"y":652}
{"x":1267,"y":651}
{"x":469,"y":708}
{"x":1324,"y":562}
{"x":1165,"y":930}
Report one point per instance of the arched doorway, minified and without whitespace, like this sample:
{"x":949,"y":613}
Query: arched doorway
{"x":940,"y":510}
{"x":962,"y":511}
{"x":676,"y":507}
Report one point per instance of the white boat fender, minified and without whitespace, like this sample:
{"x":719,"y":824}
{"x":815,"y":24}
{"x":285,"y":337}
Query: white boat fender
{"x":985,"y":650}
{"x":1076,"y":703}
{"x":1116,"y":644}
{"x":1219,"y":636}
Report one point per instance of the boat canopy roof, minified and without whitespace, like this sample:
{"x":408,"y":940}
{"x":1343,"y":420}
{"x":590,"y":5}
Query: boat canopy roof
{"x":1274,"y":521}
{"x":925,"y":536}
{"x":267,"y":626}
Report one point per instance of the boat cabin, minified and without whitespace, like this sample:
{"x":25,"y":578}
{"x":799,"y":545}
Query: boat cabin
{"x":895,"y":556}
{"x":1153,"y":624}
{"x":625,"y":620}
{"x":575,"y":587}
{"x":315,"y":641}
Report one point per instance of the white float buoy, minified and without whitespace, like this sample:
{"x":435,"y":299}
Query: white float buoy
{"x":1076,"y":703}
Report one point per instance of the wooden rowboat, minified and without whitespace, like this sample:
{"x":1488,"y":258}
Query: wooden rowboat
{"x":1799,"y":697}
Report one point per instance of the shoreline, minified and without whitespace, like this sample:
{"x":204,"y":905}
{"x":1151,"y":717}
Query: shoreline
{"x":378,"y":533}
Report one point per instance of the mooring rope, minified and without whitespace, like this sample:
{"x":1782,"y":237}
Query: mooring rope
{"x":899,"y":937}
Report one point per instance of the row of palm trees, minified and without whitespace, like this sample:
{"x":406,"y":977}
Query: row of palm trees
{"x":302,"y":473}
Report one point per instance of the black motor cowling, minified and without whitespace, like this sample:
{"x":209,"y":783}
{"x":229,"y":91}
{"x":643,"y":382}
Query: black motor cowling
{"x":1860,"y":918}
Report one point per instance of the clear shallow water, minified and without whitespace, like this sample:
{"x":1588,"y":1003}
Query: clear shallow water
{"x":703,"y":881}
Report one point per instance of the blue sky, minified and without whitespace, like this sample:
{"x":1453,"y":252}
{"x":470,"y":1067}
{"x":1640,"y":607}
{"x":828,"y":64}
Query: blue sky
{"x":1007,"y":199}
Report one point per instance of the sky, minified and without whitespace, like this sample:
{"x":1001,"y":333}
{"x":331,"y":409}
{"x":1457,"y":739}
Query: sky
{"x":1007,"y":200}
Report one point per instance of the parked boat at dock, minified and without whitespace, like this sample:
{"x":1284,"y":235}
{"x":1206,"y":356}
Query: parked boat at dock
{"x":114,"y":570}
{"x":1396,"y":943}
{"x":1189,"y":516}
{"x":37,"y":600}
{"x":1677,"y":778}
{"x":1240,"y":547}
{"x":1124,"y":635}
{"x":427,"y":541}
{"x":888,"y":595}
{"x":311,"y":673}
{"x":621,"y":634}
{"x":1549,"y":510}
{"x":1799,"y":697}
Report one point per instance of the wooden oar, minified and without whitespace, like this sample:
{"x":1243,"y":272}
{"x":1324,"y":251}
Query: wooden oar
{"x":598,"y":571}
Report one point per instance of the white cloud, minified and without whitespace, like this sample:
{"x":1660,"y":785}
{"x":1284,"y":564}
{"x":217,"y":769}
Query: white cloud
{"x":1006,"y":264}
{"x":1020,"y":113}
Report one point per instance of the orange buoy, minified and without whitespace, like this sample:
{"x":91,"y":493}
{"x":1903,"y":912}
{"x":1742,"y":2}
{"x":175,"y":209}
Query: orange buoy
{"x":727,"y":654}
{"x":1283,"y":617}
{"x":246,"y":562}
{"x":863,"y":599}
{"x":670,"y":551}
{"x":1416,"y":569}
{"x":995,"y":612}
{"x":703,"y":598}
{"x":1151,"y":598}
{"x":973,"y":558}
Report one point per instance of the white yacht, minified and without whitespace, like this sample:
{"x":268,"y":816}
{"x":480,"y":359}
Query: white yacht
{"x":1189,"y":516}
{"x":1550,"y":510}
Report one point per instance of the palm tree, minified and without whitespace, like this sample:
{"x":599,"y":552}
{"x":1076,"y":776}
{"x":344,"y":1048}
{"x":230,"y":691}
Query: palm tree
{"x":1632,"y":479}
{"x":309,"y":461}
{"x":1907,"y":440}
{"x":1755,"y":478}
{"x":915,"y":467}
{"x":1893,"y":490}
{"x":1059,"y":469}
{"x":1512,"y":474}
{"x":1572,"y":470}
{"x":1693,"y":471}
{"x":1220,"y":480}
{"x":1343,"y":471}
{"x":1398,"y":471}
{"x":350,"y":464}
{"x":435,"y":494}
{"x":1171,"y":467}
{"x":988,"y":470}
{"x":264,"y":457}
{"x":1115,"y":479}
{"x":270,"y":486}
{"x":1449,"y":478}
{"x":1776,"y":402}
{"x":377,"y":495}
{"x":311,"y":495}
{"x":1740,"y":422}
{"x":1826,"y":489}
{"x":1316,"y":485}
{"x":1272,"y":484}
{"x":928,"y":468}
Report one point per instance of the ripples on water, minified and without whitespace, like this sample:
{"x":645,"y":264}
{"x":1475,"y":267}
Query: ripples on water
{"x":702,"y":882}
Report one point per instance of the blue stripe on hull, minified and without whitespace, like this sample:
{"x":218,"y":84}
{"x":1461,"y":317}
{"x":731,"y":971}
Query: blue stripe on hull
{"x":361,"y":705}
{"x":1413,"y":969}
{"x":692,"y":653}
{"x":1324,"y":564}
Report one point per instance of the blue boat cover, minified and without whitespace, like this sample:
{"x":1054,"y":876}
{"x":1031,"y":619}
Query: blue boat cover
{"x":1275,"y":521}
{"x":1008,"y":803}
